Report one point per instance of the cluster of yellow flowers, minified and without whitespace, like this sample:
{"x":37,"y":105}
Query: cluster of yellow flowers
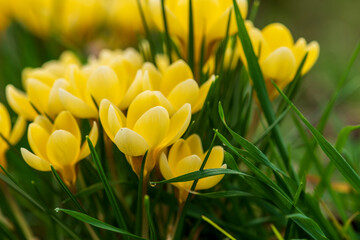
{"x":141,"y":109}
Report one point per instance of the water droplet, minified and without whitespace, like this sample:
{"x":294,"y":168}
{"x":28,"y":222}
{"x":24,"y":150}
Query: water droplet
{"x":152,"y":184}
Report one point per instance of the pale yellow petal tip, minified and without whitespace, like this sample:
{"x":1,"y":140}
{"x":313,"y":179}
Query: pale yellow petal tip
{"x":131,"y":143}
{"x":313,"y":49}
{"x":34,"y":161}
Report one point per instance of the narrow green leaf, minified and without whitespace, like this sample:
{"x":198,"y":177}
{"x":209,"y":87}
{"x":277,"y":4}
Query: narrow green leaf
{"x":254,"y":10}
{"x":110,"y":194}
{"x":153,"y":235}
{"x":139,"y":204}
{"x":308,"y":225}
{"x":226,"y":194}
{"x":230,"y":161}
{"x":96,"y":223}
{"x":260,"y":87}
{"x":344,"y":135}
{"x":218,"y":227}
{"x":341,"y":164}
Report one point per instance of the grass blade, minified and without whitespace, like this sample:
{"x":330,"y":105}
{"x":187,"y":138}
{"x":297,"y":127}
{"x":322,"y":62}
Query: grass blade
{"x":96,"y":223}
{"x":218,"y":227}
{"x":341,"y":164}
{"x":110,"y":194}
{"x":153,"y":235}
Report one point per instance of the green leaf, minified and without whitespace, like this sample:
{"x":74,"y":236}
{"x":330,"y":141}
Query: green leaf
{"x":308,"y":225}
{"x":230,"y":161}
{"x":153,"y":235}
{"x":260,"y":87}
{"x":109,"y":192}
{"x":139,"y":203}
{"x":341,"y":164}
{"x":226,"y":194}
{"x":96,"y":223}
{"x":344,"y":135}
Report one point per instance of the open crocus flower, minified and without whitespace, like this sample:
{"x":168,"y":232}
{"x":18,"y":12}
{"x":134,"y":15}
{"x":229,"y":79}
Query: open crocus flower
{"x":57,"y":144}
{"x":210,"y":19}
{"x":279,"y":57}
{"x":186,"y":156}
{"x":176,"y":83}
{"x":151,"y":125}
{"x":41,"y":86}
{"x":109,"y":77}
{"x":12,"y":135}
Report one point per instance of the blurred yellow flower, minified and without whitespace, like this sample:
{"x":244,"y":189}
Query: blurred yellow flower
{"x":151,"y":125}
{"x":11,"y":134}
{"x":58,"y":144}
{"x":279,"y":57}
{"x":210,"y":18}
{"x":4,"y":15}
{"x":41,"y":86}
{"x":186,"y":156}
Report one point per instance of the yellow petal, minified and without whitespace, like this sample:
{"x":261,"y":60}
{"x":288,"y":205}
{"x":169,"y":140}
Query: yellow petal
{"x":42,"y":75}
{"x":194,"y":142}
{"x":280,"y":65}
{"x":55,"y":106}
{"x":68,"y":175}
{"x":313,"y":54}
{"x":134,"y":90}
{"x":164,"y":167}
{"x":204,"y":89}
{"x":38,"y":94}
{"x":76,"y":106}
{"x":154,"y":75}
{"x":153,"y":125}
{"x":38,"y":137}
{"x":187,"y":165}
{"x":185,"y":92}
{"x":93,"y":135}
{"x":142,"y":103}
{"x":45,"y":123}
{"x":277,"y":35}
{"x":5,"y":122}
{"x":112,"y":119}
{"x":34,"y":161}
{"x":131,"y":143}
{"x":18,"y":130}
{"x":62,"y":148}
{"x":66,"y":121}
{"x":178,"y":151}
{"x":103,"y":83}
{"x":209,"y":182}
{"x":299,"y":50}
{"x":216,"y":158}
{"x":19,"y":102}
{"x":176,"y":73}
{"x":179,"y":122}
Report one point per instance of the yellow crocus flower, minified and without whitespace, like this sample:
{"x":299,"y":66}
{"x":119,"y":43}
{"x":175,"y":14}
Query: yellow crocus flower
{"x":109,"y":77}
{"x":58,"y":144}
{"x":11,"y":134}
{"x":151,"y":125}
{"x":279,"y":57}
{"x":41,"y":86}
{"x":210,"y":19}
{"x":186,"y":156}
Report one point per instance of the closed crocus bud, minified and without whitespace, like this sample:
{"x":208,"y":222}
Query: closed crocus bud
{"x":187,"y":156}
{"x":151,"y":125}
{"x":57,"y":144}
{"x":279,"y":57}
{"x":8,"y":133}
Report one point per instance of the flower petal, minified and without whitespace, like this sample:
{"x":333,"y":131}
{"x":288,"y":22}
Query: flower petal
{"x":164,"y":167}
{"x":38,"y":137}
{"x":185,"y":92}
{"x":187,"y":165}
{"x":179,"y":122}
{"x":134,"y":90}
{"x":153,"y":125}
{"x":178,"y":151}
{"x":20,"y":103}
{"x":18,"y":130}
{"x":216,"y":158}
{"x":204,"y":89}
{"x":5,"y":122}
{"x":131,"y":143}
{"x":62,"y":148}
{"x":277,"y":35}
{"x":175,"y":74}
{"x":209,"y":182}
{"x":112,"y":119}
{"x":104,"y":83}
{"x":55,"y":106}
{"x":66,"y":121}
{"x":194,"y":142}
{"x":34,"y":161}
{"x":76,"y":106}
{"x":38,"y":94}
{"x":280,"y":65}
{"x":313,"y":53}
{"x":93,"y":135}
